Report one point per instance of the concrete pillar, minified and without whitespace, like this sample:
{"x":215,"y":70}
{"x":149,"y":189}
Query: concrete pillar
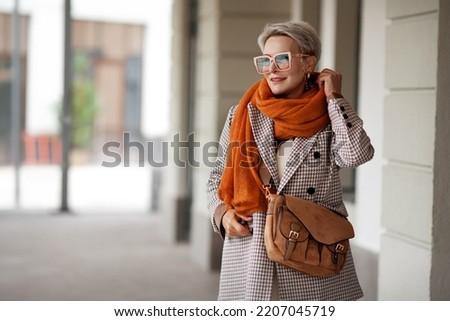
{"x":410,"y":203}
{"x":174,"y":203}
{"x":327,"y":33}
{"x":307,"y":10}
{"x":366,"y":213}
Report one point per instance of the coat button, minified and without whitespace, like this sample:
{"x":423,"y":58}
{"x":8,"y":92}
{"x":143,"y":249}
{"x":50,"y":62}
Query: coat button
{"x":349,"y":125}
{"x":311,"y":190}
{"x":316,"y":155}
{"x":342,"y":108}
{"x":345,"y":116}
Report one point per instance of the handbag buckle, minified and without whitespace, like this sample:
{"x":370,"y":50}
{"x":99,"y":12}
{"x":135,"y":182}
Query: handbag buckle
{"x":340,"y":248}
{"x":268,"y":190}
{"x":293,"y":235}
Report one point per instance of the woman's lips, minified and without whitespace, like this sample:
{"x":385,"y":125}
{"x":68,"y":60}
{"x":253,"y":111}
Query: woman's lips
{"x":276,"y":79}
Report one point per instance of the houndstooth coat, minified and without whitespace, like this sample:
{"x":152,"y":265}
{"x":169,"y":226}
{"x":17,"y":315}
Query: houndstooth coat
{"x":312,"y":173}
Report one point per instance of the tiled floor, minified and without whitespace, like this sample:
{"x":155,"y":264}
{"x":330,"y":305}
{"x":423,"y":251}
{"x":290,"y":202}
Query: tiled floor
{"x":49,"y":256}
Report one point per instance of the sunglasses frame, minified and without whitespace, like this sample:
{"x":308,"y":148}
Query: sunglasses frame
{"x":272,"y":61}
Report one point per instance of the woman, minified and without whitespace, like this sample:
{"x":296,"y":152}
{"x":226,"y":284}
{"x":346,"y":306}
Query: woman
{"x":296,"y":123}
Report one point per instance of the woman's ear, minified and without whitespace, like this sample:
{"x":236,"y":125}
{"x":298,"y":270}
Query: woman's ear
{"x":310,"y":63}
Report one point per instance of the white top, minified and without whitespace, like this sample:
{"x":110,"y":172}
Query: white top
{"x":283,"y":151}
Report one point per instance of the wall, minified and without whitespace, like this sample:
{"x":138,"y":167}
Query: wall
{"x":408,"y":147}
{"x":366,"y":211}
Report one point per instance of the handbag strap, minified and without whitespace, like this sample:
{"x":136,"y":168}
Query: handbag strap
{"x":265,"y":176}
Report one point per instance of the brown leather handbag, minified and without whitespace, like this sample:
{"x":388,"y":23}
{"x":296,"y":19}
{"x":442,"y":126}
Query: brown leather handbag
{"x":305,"y":236}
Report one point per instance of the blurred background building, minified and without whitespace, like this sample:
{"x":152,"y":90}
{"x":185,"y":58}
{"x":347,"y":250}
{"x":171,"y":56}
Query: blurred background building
{"x":112,"y":93}
{"x":151,"y":83}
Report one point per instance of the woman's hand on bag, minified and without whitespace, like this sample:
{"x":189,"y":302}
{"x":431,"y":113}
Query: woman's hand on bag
{"x":236,"y":225}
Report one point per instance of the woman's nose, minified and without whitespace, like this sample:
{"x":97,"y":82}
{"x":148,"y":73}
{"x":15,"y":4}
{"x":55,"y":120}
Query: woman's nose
{"x":271,"y":67}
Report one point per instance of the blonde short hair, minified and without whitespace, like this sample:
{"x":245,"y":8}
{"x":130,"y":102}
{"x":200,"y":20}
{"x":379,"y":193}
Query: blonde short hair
{"x":302,"y":32}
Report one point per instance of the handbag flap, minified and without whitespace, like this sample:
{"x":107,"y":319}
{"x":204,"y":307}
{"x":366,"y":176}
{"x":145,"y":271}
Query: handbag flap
{"x":324,"y":225}
{"x":288,"y":222}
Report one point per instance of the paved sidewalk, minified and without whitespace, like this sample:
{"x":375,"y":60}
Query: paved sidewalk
{"x":50,"y":256}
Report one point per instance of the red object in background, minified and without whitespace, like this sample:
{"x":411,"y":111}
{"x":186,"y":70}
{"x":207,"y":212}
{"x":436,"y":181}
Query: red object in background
{"x":42,"y":149}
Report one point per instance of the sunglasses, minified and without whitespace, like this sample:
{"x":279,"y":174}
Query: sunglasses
{"x":282,"y":62}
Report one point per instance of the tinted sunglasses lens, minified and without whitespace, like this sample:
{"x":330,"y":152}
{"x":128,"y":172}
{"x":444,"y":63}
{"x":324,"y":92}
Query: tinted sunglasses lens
{"x":262,"y":64}
{"x":282,"y":61}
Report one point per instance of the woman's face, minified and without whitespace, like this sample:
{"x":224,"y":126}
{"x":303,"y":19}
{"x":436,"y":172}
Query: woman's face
{"x":289,"y":83}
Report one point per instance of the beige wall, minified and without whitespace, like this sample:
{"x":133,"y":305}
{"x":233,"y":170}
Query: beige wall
{"x":409,"y":144}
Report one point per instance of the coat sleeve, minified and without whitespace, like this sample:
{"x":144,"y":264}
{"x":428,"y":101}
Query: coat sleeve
{"x":216,"y":207}
{"x":351,"y":146}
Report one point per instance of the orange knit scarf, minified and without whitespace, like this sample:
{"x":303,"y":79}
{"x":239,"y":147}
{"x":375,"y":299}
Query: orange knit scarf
{"x":241,"y":187}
